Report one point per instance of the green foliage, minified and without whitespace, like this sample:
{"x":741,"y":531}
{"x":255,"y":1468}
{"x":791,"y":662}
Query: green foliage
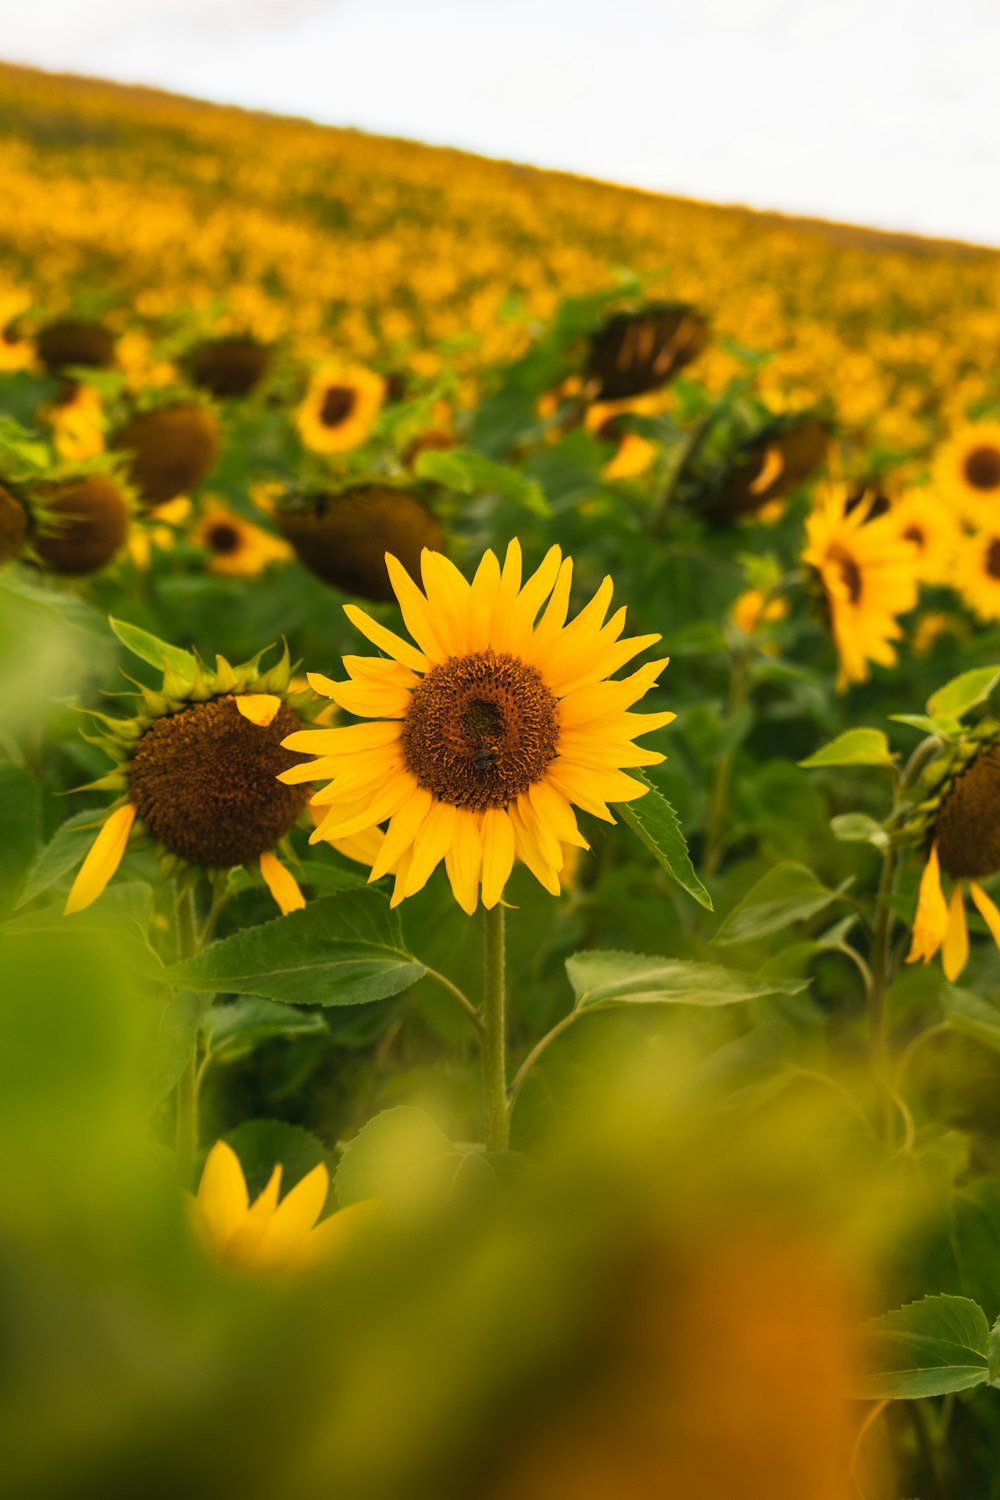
{"x":787,"y":894}
{"x":930,"y":1348}
{"x":656,"y":824}
{"x":855,"y":747}
{"x":602,"y":979}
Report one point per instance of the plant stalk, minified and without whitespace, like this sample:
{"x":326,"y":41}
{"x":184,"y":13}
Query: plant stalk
{"x":186,"y":1097}
{"x":494,"y":1036}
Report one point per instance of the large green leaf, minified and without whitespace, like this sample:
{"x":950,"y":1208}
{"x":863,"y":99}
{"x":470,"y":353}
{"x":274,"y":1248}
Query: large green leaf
{"x":235,"y":1029}
{"x":150,"y":648}
{"x":973,"y":1015}
{"x":855,"y":747}
{"x":788,"y":893}
{"x":468,"y":473}
{"x":928,"y":1348}
{"x":657,"y":825}
{"x":176,"y":1034}
{"x":601,"y":979}
{"x":963,"y":692}
{"x":345,"y":949}
{"x":20,"y":828}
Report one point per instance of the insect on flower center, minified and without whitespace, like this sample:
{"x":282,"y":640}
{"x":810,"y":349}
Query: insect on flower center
{"x":203,"y":783}
{"x":338,"y":403}
{"x":480,"y":730}
{"x":982,"y":467}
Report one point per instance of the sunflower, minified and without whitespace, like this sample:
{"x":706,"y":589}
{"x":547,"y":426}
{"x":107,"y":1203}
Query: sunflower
{"x":977,"y":571}
{"x":343,"y":538}
{"x":918,"y":517}
{"x":967,"y":471}
{"x":76,"y":417}
{"x":964,"y":827}
{"x":75,"y":341}
{"x":483,"y":734}
{"x":634,"y":454}
{"x":867,"y":575}
{"x":170,"y":449}
{"x":340,"y":408}
{"x":17,"y":351}
{"x":197,"y":769}
{"x":635,"y":352}
{"x":79,"y":524}
{"x":238,"y":548}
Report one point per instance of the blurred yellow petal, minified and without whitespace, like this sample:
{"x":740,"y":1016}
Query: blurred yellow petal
{"x":987,"y":909}
{"x":103,"y":859}
{"x":222,"y":1198}
{"x":282,"y":884}
{"x":955,"y":953}
{"x":931,"y":920}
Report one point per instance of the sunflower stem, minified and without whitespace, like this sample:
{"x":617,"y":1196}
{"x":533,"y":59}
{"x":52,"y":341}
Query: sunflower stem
{"x":881,"y":957}
{"x":494,"y":1038}
{"x":186,"y":1098}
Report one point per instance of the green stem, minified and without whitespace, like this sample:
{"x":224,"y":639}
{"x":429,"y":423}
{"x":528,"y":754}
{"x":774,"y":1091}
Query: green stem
{"x":540,"y":1046}
{"x":881,"y":957}
{"x":186,"y":1098}
{"x":463,"y":999}
{"x":723,"y":773}
{"x":494,"y":1038}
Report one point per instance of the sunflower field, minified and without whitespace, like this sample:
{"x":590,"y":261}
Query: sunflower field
{"x":499,"y":801}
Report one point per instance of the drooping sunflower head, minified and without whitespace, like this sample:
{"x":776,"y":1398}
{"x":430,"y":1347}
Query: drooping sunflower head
{"x":769,"y":467}
{"x":340,"y":408}
{"x":170,"y":449}
{"x":967,"y":471}
{"x":13,"y":525}
{"x":79,"y":524}
{"x":229,"y":366}
{"x":865,"y":575}
{"x":197,"y":769}
{"x":343,"y":537}
{"x":483,"y":734}
{"x":237,"y":547}
{"x":75,"y":341}
{"x":637,"y":351}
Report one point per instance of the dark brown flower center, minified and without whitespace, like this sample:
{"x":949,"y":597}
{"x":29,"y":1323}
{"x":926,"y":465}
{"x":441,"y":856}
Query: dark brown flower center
{"x":338,"y":403}
{"x":993,"y":558}
{"x":223,"y":537}
{"x":916,"y":535}
{"x":203,"y":783}
{"x":849,"y":571}
{"x":967,"y":827}
{"x":480,"y":730}
{"x":982,"y":467}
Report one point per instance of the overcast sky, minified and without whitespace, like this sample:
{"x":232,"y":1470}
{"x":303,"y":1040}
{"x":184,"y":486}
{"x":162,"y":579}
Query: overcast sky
{"x":880,"y":112}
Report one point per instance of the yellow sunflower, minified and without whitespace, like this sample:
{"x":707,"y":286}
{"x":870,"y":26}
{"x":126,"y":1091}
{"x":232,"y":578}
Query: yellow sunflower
{"x":965,"y":832}
{"x":634,"y":454}
{"x":967,"y":471}
{"x":868,"y":576}
{"x":77,"y":422}
{"x":485,"y":732}
{"x":918,"y":517}
{"x":238,"y":548}
{"x":340,"y":408}
{"x":977,"y":571}
{"x":17,"y":350}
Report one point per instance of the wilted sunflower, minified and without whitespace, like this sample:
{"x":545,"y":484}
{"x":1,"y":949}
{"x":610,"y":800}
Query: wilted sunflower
{"x":962,"y":821}
{"x":867,"y":575}
{"x":343,"y":537}
{"x":197,"y":769}
{"x":967,"y":471}
{"x":486,"y":731}
{"x":635,"y":352}
{"x":977,"y":571}
{"x":340,"y":408}
{"x":768,"y":468}
{"x":238,"y":548}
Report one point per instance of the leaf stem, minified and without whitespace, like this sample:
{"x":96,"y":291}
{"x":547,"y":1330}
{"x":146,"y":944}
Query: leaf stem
{"x":723,"y":771}
{"x":470,"y":1010}
{"x":494,"y":1031}
{"x":186,"y":1098}
{"x":540,"y":1046}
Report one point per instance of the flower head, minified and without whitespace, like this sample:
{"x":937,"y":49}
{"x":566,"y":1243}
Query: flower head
{"x":483,"y":735}
{"x":967,"y":471}
{"x":634,"y":352}
{"x":237,"y":547}
{"x":339,"y":409}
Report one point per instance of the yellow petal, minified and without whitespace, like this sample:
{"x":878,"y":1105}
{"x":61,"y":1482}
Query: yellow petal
{"x":931,"y":920}
{"x":386,"y":640}
{"x":431,"y":845}
{"x":103,"y":859}
{"x":344,"y":740}
{"x":498,"y":854}
{"x":338,"y":1231}
{"x":259,"y":708}
{"x":987,"y":910}
{"x":223,"y":1200}
{"x":282,"y":884}
{"x":464,"y":861}
{"x":402,"y":830}
{"x":955,"y":953}
{"x":413,"y":606}
{"x":293,"y":1218}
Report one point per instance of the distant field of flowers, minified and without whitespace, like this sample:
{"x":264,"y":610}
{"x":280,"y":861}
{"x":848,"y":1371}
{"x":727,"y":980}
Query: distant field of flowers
{"x":499,"y":803}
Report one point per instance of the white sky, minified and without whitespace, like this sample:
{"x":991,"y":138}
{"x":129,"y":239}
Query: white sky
{"x":880,"y":112}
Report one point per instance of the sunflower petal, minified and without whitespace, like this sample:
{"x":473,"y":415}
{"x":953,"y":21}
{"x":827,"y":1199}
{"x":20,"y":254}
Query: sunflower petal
{"x":259,"y":708}
{"x":987,"y":909}
{"x":103,"y":858}
{"x":931,"y":920}
{"x":498,"y":854}
{"x":222,"y":1197}
{"x":387,"y":640}
{"x":955,"y":952}
{"x":282,"y":884}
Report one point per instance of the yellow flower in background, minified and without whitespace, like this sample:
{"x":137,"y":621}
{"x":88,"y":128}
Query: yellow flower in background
{"x":920,"y":518}
{"x":271,"y":1233}
{"x":754,"y":608}
{"x":340,"y":408}
{"x":634,"y":453}
{"x":77,"y":423}
{"x":967,"y":471}
{"x":157,"y":529}
{"x":484,"y":735}
{"x":977,"y":571}
{"x":238,"y":548}
{"x":17,"y":350}
{"x":868,"y":576}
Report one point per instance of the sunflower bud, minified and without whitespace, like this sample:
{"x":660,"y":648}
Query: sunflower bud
{"x":75,"y":341}
{"x":634,"y":352}
{"x":171,"y":449}
{"x":343,"y":538}
{"x":229,"y":366}
{"x":13,"y":525}
{"x":82,"y":524}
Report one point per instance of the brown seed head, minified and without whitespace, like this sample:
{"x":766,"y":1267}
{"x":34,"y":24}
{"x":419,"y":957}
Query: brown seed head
{"x":86,"y":522}
{"x":635,"y":352}
{"x":343,"y":539}
{"x":982,"y":467}
{"x":203,"y":783}
{"x":967,"y":826}
{"x":172,"y":449}
{"x":229,"y":366}
{"x":75,"y":341}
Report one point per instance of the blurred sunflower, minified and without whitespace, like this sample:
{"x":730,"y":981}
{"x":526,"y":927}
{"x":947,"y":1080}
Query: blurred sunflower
{"x":486,"y":731}
{"x":76,"y":417}
{"x":918,"y":517}
{"x":867,"y":576}
{"x":197,"y":769}
{"x":967,"y":470}
{"x":963,"y":823}
{"x":17,"y":350}
{"x":157,"y":529}
{"x":635,"y":352}
{"x":238,"y":548}
{"x":340,"y":408}
{"x":634,"y":454}
{"x":977,"y":571}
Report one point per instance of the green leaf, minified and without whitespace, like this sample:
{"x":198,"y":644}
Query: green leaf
{"x":972,"y":1015}
{"x":655,"y":822}
{"x":150,"y":648}
{"x":262,"y":1144}
{"x":394,"y":1157}
{"x":929,"y":1348}
{"x":64,"y":852}
{"x":467,"y":472}
{"x":855,"y":747}
{"x":601,"y":979}
{"x":344,"y":949}
{"x":237,"y":1028}
{"x":925,"y":724}
{"x":963,"y":692}
{"x":20,"y":828}
{"x":788,"y":893}
{"x":859,"y":828}
{"x":176,"y":1035}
